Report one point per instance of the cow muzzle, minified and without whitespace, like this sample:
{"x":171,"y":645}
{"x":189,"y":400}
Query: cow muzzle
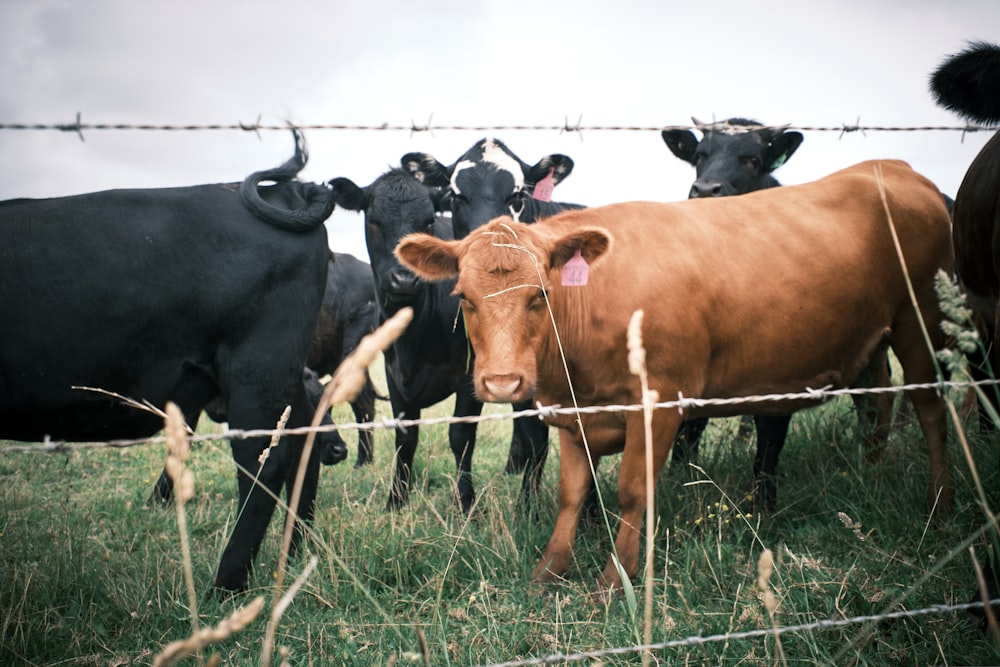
{"x":402,"y":283}
{"x":333,"y":449}
{"x":504,"y":388}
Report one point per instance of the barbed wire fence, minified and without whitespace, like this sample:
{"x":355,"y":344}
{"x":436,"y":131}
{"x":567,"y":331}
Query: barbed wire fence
{"x":78,"y":127}
{"x":682,"y":403}
{"x":819,"y":395}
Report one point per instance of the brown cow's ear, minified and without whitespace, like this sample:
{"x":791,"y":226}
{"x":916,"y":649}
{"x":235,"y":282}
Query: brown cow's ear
{"x":592,"y":242}
{"x":427,"y":256}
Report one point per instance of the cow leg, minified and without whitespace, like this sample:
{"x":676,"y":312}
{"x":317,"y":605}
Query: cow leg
{"x":632,"y":491}
{"x":256,"y":505}
{"x":533,"y":434}
{"x":687,"y":441}
{"x":520,"y":451}
{"x":163,"y":489}
{"x":575,"y":483}
{"x":462,"y":438}
{"x":918,"y":367}
{"x":771,"y":434}
{"x":364,"y":411}
{"x":306,"y":508}
{"x":875,"y":410}
{"x":406,"y":448}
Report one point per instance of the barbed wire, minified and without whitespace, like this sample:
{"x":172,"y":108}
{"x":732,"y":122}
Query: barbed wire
{"x":699,"y":640}
{"x":820,"y":395}
{"x":78,"y":127}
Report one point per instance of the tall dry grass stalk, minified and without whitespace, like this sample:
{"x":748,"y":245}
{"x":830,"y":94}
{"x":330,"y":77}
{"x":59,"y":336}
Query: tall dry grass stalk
{"x":765,"y":568}
{"x":178,"y":452}
{"x":637,"y":366}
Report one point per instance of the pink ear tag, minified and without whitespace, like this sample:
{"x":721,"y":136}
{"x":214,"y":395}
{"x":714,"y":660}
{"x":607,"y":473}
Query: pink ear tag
{"x":575,"y":272}
{"x":543,"y":188}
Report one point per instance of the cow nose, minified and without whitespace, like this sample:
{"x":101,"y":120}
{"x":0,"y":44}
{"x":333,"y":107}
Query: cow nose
{"x":333,"y":449}
{"x":402,"y":281}
{"x":503,"y":386}
{"x":705,"y":189}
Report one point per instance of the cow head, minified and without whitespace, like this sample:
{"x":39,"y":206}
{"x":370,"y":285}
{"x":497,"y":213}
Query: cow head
{"x":734,"y":156}
{"x":488,"y":181}
{"x":506,"y":272}
{"x":393,"y":205}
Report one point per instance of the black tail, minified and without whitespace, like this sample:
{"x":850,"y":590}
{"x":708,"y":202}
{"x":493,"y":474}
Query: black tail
{"x":289,"y":204}
{"x":968,"y":83}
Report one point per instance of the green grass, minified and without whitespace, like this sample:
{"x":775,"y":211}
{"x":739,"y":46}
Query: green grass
{"x":90,"y":576}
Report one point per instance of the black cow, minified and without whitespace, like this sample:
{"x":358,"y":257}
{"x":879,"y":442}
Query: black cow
{"x":734,"y":156}
{"x":969,"y":84}
{"x":176,"y":294}
{"x":431,"y":360}
{"x":488,"y":181}
{"x":347,"y":315}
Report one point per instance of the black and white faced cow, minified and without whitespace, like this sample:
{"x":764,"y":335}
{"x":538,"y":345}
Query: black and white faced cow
{"x":175,"y":294}
{"x":734,"y":156}
{"x":487,"y":181}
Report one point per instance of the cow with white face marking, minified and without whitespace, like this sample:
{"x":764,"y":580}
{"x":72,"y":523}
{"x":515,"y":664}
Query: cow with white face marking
{"x":489,"y":180}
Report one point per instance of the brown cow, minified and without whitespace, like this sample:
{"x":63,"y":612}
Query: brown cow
{"x":774,"y":291}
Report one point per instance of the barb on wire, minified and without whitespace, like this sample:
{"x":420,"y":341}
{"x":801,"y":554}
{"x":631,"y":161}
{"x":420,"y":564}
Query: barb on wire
{"x":414,"y":128}
{"x":853,"y":128}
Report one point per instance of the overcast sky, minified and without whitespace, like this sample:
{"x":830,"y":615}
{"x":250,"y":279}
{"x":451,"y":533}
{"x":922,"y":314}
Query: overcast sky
{"x":462,"y":62}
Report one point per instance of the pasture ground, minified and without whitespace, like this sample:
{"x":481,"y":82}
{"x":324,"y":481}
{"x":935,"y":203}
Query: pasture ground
{"x":90,"y":576}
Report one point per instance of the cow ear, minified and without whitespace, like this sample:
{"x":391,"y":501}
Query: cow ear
{"x":427,"y":256}
{"x":426,"y":169}
{"x":347,"y":195}
{"x":560,"y":165}
{"x":681,"y":143}
{"x":781,"y":148}
{"x":591,"y":242}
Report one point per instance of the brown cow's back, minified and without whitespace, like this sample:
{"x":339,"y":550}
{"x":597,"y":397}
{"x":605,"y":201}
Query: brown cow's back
{"x":752,"y":289}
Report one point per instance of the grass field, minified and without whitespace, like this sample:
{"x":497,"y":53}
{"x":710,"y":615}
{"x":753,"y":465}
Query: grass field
{"x":91,"y":576}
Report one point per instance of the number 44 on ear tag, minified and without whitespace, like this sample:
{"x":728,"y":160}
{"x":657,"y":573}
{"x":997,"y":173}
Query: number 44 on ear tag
{"x":575,"y":272}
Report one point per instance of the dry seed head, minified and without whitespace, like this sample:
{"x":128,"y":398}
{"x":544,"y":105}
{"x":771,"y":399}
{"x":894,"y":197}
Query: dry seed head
{"x":176,"y":432}
{"x":276,"y":436}
{"x":350,"y":376}
{"x":199,"y":640}
{"x":765,"y":568}
{"x":184,"y":486}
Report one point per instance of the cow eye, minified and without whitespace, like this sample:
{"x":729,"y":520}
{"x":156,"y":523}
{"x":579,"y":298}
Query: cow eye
{"x":538,"y":301}
{"x":465,"y":303}
{"x":754,"y":161}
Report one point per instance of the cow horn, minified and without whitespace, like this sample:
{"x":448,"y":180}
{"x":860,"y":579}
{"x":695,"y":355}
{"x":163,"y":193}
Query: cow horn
{"x":698,"y":124}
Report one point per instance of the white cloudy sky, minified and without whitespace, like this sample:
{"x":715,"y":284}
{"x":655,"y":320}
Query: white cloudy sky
{"x":461,"y":62}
